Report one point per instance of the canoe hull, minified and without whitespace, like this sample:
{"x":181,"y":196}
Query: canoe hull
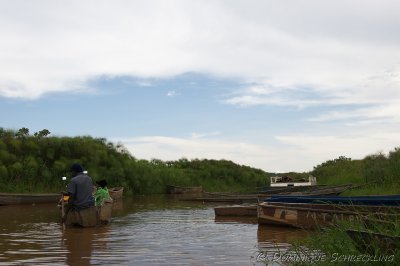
{"x":184,"y":190}
{"x":25,"y":198}
{"x":312,"y":216}
{"x":116,"y":193}
{"x":90,"y":217}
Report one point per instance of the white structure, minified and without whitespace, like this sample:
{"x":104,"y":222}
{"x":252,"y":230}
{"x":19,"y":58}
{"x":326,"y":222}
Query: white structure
{"x":279,"y":181}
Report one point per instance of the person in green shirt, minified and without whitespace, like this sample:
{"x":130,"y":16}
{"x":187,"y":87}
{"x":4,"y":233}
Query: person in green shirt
{"x":101,"y":193}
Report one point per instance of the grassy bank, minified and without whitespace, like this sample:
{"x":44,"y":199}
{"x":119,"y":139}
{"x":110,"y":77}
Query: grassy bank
{"x":337,"y":247}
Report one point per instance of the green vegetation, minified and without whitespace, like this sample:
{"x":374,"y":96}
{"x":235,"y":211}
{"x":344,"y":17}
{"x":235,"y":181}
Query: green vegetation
{"x":375,"y":174}
{"x":339,"y":248}
{"x":36,"y":163}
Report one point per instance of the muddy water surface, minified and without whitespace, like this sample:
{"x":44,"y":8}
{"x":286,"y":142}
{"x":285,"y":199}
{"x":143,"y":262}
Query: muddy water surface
{"x":144,"y":231}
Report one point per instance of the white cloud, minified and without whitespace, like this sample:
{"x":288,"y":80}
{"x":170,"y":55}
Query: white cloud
{"x":172,"y":93}
{"x":293,"y":152}
{"x":329,"y":47}
{"x":172,"y":148}
{"x":305,"y":53}
{"x":353,"y":145}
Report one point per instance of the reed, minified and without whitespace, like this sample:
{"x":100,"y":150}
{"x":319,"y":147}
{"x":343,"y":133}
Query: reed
{"x":378,"y":245}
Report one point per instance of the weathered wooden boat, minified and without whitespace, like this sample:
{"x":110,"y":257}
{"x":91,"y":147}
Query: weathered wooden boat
{"x":238,"y":210}
{"x":372,"y":243}
{"x":384,"y":200}
{"x":116,"y":193}
{"x":255,"y":197}
{"x":288,"y":189}
{"x":88,"y":217}
{"x":28,"y":198}
{"x":321,"y":191}
{"x":184,"y":190}
{"x":316,"y":215}
{"x":238,"y":199}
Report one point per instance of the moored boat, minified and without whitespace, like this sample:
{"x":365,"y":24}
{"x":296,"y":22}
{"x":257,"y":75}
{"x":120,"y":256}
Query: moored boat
{"x":384,"y":200}
{"x":28,"y":198}
{"x":116,"y":193}
{"x":184,"y":190}
{"x":286,"y":181}
{"x":238,"y":210}
{"x":313,"y":212}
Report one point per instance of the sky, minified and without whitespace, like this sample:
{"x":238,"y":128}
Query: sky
{"x":276,"y":85}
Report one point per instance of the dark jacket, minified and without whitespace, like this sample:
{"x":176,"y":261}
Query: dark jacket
{"x":80,"y":189}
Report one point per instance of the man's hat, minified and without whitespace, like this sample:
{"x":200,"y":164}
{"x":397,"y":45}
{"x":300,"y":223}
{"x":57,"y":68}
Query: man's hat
{"x":76,"y":168}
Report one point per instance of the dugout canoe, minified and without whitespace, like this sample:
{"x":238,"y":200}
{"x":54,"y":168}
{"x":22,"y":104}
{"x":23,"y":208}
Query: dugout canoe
{"x":171,"y":189}
{"x":255,"y":197}
{"x":28,"y":198}
{"x":88,"y":217}
{"x":313,"y":216}
{"x":379,"y":200}
{"x":116,"y":193}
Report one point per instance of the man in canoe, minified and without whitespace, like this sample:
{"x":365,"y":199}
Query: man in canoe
{"x":80,"y":189}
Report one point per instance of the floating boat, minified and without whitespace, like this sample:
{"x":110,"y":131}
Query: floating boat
{"x":28,"y":198}
{"x":385,"y":200}
{"x":255,"y":197}
{"x":88,"y":217}
{"x":183,"y":190}
{"x":286,"y":181}
{"x":116,"y":193}
{"x":238,"y":210}
{"x":315,"y":214}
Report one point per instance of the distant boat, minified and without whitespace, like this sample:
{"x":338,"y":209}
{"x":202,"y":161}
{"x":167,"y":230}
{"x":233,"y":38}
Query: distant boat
{"x":184,"y":190}
{"x":28,"y":198}
{"x":286,"y":181}
{"x":116,"y":193}
{"x":314,"y":212}
{"x":255,"y":197}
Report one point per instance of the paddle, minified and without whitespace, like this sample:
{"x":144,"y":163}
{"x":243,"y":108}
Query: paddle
{"x":63,"y":214}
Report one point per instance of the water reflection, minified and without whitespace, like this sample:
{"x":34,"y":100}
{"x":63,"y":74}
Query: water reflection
{"x":279,"y":234}
{"x":144,"y":231}
{"x":80,"y":243}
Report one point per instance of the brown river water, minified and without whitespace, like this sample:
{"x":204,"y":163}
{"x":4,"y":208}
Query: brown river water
{"x":147,"y":230}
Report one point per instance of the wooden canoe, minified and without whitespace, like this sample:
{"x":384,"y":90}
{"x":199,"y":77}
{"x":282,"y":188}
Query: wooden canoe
{"x":312,"y":216}
{"x":116,"y":193}
{"x":379,"y":200}
{"x":89,"y":217}
{"x":28,"y":198}
{"x":238,"y":210}
{"x":184,"y":190}
{"x":255,"y":198}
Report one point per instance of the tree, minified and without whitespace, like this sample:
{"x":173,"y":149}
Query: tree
{"x":42,"y":133}
{"x":22,"y":132}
